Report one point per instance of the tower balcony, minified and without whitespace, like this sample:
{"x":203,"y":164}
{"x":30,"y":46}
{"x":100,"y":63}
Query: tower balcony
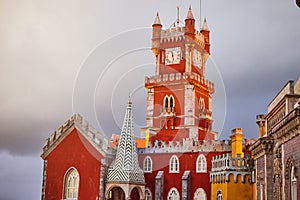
{"x":205,"y":114}
{"x":178,"y":78}
{"x":168,"y":112}
{"x":226,"y":162}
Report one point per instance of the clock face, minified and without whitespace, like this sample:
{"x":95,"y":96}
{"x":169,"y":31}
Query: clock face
{"x":173,"y":56}
{"x":197,"y":58}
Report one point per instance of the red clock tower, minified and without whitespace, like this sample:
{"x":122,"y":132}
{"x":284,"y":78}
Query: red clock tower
{"x":179,"y":97}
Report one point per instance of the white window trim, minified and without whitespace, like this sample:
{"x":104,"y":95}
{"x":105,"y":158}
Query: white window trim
{"x":172,"y":165}
{"x":145,"y":167}
{"x":168,"y":98}
{"x":150,"y":193}
{"x":170,"y":192}
{"x":65,"y":188}
{"x":200,"y":169}
{"x":293,"y":184}
{"x":203,"y":195}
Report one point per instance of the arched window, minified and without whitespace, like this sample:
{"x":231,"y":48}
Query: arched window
{"x":148,"y":194}
{"x":219,"y":195}
{"x":201,"y":103}
{"x":173,"y":194}
{"x":174,"y":164}
{"x":171,"y":101}
{"x":71,"y":185}
{"x":201,"y":165}
{"x":293,"y":179}
{"x":148,"y":164}
{"x":200,"y":194}
{"x":166,"y":101}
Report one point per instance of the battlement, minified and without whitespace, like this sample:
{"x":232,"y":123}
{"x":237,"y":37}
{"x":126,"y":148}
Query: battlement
{"x":98,"y":139}
{"x":187,"y":145}
{"x":177,"y":78}
{"x":173,"y":34}
{"x":176,"y":34}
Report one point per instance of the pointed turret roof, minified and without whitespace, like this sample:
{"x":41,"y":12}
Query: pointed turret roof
{"x":125,"y":168}
{"x":205,"y":26}
{"x":190,"y":14}
{"x":157,"y":19}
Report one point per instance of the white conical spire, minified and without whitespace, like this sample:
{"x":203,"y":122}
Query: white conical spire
{"x":157,"y":19}
{"x":190,"y":14}
{"x":205,"y":26}
{"x":125,"y":167}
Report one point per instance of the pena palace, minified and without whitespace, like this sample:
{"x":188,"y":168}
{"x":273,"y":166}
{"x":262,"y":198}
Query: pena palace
{"x":180,"y":156}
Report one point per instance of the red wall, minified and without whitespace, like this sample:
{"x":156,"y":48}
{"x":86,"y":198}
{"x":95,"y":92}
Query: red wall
{"x":74,"y":151}
{"x":160,"y":162}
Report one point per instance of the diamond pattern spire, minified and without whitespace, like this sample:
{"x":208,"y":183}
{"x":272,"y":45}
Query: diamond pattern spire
{"x":125,"y":168}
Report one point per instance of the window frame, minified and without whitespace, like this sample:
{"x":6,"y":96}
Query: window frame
{"x":75,"y":187}
{"x":173,"y":189}
{"x":174,"y":164}
{"x":201,"y":164}
{"x":197,"y":195}
{"x":147,"y":164}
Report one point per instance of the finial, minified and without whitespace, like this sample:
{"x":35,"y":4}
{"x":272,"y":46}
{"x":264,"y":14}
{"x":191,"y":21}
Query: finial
{"x":177,"y":21}
{"x":129,"y":99}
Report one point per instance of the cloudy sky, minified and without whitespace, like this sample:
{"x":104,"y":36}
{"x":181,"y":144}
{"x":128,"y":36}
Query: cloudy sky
{"x":63,"y":57}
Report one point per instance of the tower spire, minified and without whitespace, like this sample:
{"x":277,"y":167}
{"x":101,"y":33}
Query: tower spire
{"x":157,"y":20}
{"x":205,"y":26}
{"x":190,"y":14}
{"x":125,"y":168}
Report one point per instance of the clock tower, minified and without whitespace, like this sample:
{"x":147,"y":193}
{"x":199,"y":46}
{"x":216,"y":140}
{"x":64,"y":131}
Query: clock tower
{"x":179,"y":97}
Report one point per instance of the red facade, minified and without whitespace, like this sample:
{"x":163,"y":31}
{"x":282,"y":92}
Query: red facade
{"x":187,"y":161}
{"x":77,"y":152}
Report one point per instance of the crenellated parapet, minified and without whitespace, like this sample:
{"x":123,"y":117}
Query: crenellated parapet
{"x":224,"y":165}
{"x":177,"y":78}
{"x":99,"y":140}
{"x":187,"y":145}
{"x":176,"y":34}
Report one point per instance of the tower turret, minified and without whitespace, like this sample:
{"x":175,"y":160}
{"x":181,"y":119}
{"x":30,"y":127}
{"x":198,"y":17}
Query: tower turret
{"x":261,"y":122}
{"x":190,"y":24}
{"x":237,"y":142}
{"x":206,"y":32}
{"x":156,"y":33}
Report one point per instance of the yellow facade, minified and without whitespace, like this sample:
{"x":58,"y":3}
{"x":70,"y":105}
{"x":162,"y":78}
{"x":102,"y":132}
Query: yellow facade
{"x":234,"y":190}
{"x":231,"y":175}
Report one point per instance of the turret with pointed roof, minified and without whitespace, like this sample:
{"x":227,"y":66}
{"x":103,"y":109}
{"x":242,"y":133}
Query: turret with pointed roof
{"x":125,"y":168}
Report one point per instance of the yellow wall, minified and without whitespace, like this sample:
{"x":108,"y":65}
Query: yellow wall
{"x":234,"y":191}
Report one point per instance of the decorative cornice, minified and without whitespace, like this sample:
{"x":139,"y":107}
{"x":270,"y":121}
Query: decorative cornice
{"x":262,"y":146}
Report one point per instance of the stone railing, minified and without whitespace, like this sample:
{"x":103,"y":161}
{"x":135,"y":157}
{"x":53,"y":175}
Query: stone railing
{"x":227,"y":162}
{"x":187,"y":145}
{"x":186,"y":76}
{"x":100,"y":140}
